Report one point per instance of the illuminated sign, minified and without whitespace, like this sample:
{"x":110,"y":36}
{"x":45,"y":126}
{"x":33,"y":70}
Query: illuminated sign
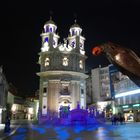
{"x":125,"y":106}
{"x":127,"y":93}
{"x":136,"y":105}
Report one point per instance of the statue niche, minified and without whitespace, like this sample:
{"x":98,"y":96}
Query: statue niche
{"x":65,"y":90}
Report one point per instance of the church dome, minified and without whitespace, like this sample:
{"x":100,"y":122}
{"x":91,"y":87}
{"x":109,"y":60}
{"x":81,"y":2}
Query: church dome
{"x":50,"y":22}
{"x":50,"y":26}
{"x":75,"y":25}
{"x":75,"y":29}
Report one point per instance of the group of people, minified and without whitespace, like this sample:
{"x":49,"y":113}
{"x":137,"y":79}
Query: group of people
{"x":117,"y":118}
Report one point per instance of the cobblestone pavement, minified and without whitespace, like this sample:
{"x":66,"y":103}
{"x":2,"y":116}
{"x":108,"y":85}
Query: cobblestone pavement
{"x":130,"y":131}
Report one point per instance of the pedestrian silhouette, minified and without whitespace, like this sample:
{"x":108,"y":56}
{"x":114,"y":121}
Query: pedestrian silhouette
{"x":7,"y":125}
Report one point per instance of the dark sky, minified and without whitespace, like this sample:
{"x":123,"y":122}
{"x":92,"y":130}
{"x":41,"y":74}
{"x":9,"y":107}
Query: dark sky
{"x":21,"y":23}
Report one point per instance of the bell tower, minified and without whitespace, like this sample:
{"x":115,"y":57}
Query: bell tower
{"x":49,"y":36}
{"x":75,"y":39}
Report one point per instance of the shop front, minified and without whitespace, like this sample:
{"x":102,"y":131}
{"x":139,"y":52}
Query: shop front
{"x":131,"y":112}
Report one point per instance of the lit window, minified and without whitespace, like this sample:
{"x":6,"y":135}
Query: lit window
{"x":81,"y":64}
{"x":65,"y":61}
{"x":47,"y":29}
{"x":47,"y":62}
{"x":50,"y":29}
{"x":72,"y":32}
{"x":46,"y":39}
{"x":14,"y":107}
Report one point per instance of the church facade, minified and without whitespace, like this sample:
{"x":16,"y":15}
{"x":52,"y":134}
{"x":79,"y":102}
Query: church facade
{"x":62,"y":69}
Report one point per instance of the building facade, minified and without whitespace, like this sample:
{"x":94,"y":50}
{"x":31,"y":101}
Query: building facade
{"x":89,"y":90}
{"x":62,"y":69}
{"x":3,"y":95}
{"x":109,"y":86}
{"x":127,"y":97}
{"x":21,"y":107}
{"x":100,"y":78}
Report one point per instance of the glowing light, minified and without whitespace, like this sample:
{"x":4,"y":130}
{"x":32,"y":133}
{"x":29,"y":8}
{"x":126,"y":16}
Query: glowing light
{"x":65,"y":61}
{"x":37,"y":107}
{"x":0,"y":110}
{"x":125,"y":106}
{"x":30,"y":110}
{"x":96,"y":50}
{"x":61,"y":48}
{"x":135,"y":105}
{"x":47,"y":60}
{"x":65,"y":48}
{"x":101,"y":105}
{"x":117,"y":57}
{"x":82,"y":52}
{"x":127,"y":93}
{"x":81,"y":64}
{"x":69,"y":48}
{"x":13,"y":108}
{"x":45,"y":47}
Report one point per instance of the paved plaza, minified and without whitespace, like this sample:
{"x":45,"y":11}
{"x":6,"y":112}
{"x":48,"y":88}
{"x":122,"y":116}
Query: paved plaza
{"x":28,"y":131}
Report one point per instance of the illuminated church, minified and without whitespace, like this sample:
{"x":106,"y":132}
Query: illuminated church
{"x":62,"y":69}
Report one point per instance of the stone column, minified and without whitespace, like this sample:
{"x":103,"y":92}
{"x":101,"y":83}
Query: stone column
{"x":57,"y":90}
{"x":73,"y":94}
{"x":40,"y":92}
{"x":53,"y":94}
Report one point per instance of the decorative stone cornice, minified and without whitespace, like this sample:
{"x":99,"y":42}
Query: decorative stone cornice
{"x":63,"y":74}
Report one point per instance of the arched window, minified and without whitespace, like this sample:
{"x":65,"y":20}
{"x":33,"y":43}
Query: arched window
{"x":46,"y":39}
{"x":81,"y":64}
{"x":73,"y":33}
{"x":47,"y":29}
{"x":47,"y":62}
{"x":51,"y":30}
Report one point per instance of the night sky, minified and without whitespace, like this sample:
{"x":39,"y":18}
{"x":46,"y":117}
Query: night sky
{"x":21,"y":23}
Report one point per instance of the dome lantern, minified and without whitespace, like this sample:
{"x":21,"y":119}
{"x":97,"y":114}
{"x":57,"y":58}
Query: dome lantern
{"x":50,"y":26}
{"x":75,"y":29}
